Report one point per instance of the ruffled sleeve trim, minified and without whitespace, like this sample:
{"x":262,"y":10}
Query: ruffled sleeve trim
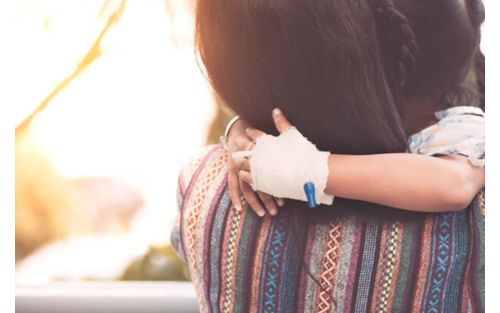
{"x":459,"y":131}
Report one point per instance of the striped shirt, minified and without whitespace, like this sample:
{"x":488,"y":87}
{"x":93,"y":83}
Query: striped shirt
{"x":395,"y":261}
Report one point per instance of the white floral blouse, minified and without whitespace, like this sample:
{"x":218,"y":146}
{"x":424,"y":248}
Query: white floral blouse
{"x":459,"y":131}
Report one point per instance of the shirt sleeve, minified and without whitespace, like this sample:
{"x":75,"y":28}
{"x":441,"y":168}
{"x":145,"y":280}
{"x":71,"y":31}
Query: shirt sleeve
{"x":183,"y":181}
{"x":459,"y":131}
{"x":183,"y":184}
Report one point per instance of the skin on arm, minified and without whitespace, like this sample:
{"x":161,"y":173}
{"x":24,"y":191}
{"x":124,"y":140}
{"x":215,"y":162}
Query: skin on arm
{"x":407,"y":181}
{"x":401,"y":180}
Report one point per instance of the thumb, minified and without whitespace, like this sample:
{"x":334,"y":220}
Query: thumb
{"x":280,"y":121}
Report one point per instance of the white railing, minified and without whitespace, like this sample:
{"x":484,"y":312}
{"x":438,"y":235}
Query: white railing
{"x":112,"y":297}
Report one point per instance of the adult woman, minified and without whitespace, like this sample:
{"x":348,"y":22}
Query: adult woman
{"x":340,"y":70}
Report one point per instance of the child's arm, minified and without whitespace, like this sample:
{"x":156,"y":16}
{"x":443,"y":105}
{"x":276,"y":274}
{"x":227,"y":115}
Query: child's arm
{"x":402,"y":180}
{"x":406,"y":181}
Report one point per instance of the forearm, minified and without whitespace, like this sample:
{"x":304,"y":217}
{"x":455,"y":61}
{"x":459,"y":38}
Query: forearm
{"x":401,"y":180}
{"x":406,"y":181}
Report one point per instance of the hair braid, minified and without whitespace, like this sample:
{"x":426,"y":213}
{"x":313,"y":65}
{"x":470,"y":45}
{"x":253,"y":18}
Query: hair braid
{"x":397,"y":40}
{"x":476,"y":12}
{"x":476,"y":15}
{"x":479,"y":69}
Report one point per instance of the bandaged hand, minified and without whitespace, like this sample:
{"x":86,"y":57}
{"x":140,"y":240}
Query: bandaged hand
{"x":280,"y":166}
{"x":241,"y":193}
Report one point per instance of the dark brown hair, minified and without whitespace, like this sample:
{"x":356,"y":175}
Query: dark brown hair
{"x":341,"y":70}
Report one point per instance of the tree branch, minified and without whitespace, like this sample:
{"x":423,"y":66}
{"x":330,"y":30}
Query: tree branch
{"x":93,"y":53}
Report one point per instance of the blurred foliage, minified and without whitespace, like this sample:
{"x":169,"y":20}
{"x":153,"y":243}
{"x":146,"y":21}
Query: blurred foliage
{"x":44,"y":202}
{"x":92,"y":54}
{"x":159,"y":263}
{"x":49,"y":208}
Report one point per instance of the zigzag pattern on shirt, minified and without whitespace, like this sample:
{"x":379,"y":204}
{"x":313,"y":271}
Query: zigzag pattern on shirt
{"x":195,"y":208}
{"x":329,"y":267}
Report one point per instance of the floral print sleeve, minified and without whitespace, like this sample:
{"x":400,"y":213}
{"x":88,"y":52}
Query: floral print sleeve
{"x":459,"y":131}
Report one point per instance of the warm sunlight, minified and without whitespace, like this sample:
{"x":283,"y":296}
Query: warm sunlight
{"x":135,"y":113}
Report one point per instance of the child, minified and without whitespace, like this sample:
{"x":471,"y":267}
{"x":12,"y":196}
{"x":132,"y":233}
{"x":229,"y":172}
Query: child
{"x":417,"y":183}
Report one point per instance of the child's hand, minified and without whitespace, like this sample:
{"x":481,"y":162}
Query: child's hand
{"x":239,"y":141}
{"x":283,"y":165}
{"x":239,"y":173}
{"x":242,"y":163}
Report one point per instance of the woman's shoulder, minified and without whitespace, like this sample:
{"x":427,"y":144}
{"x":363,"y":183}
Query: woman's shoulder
{"x":208,"y":160}
{"x":196,"y":181}
{"x":459,"y":131}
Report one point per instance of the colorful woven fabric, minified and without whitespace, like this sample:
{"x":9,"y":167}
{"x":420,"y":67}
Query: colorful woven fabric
{"x":401,"y":262}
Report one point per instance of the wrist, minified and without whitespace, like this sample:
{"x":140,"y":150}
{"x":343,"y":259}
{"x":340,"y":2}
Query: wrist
{"x":231,"y":124}
{"x":320,"y":171}
{"x":237,"y":128}
{"x":233,"y":128}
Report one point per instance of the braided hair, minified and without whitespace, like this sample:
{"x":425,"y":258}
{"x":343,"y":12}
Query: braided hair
{"x":399,"y":46}
{"x":471,"y":90}
{"x":476,"y":16}
{"x":446,"y":79}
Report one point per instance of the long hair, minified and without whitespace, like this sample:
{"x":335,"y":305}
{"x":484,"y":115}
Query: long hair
{"x":341,"y":70}
{"x":318,"y":61}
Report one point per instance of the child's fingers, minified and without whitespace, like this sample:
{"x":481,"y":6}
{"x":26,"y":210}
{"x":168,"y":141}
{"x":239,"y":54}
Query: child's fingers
{"x":279,"y":201}
{"x":251,"y":199}
{"x":234,"y":189}
{"x":245,"y":176}
{"x":280,"y":121}
{"x":268,"y":202}
{"x":241,"y":164}
{"x":254,"y":133}
{"x":243,"y":143}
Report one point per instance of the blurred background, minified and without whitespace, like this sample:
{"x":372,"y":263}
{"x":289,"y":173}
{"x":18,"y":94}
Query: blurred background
{"x":110,"y":104}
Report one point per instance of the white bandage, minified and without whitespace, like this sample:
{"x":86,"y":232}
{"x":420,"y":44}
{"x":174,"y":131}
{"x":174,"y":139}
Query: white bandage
{"x":280,"y":166}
